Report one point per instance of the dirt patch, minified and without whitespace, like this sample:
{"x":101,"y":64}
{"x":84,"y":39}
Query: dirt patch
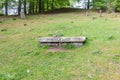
{"x":56,"y":49}
{"x":1,"y":36}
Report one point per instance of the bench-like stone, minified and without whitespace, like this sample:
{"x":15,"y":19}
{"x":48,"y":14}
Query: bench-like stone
{"x":55,"y":41}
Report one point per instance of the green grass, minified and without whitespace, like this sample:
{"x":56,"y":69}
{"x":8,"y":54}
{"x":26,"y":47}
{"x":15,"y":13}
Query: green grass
{"x":22,"y":57}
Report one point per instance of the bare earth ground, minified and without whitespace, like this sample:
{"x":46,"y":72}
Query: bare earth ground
{"x":56,"y":49}
{"x":1,"y":36}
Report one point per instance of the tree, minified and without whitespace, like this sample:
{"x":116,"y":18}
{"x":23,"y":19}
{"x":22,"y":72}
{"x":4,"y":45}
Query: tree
{"x":88,"y":4}
{"x":6,"y":7}
{"x":100,"y":4}
{"x":25,"y":6}
{"x":116,"y":4}
{"x":19,"y":7}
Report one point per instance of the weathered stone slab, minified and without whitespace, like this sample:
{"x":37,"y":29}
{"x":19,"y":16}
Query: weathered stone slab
{"x":78,"y":44}
{"x":60,"y":41}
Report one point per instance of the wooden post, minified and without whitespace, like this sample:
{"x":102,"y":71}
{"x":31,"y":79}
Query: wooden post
{"x":100,"y":13}
{"x":22,"y":14}
{"x":86,"y":12}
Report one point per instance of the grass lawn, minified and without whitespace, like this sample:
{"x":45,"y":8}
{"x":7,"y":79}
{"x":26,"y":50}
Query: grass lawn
{"x":22,"y":57}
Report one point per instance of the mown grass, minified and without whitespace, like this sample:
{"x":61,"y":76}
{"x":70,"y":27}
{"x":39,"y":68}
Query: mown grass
{"x":22,"y":57}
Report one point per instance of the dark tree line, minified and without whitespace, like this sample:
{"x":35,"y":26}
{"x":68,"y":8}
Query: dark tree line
{"x":41,"y":6}
{"x":108,"y":5}
{"x":36,"y":6}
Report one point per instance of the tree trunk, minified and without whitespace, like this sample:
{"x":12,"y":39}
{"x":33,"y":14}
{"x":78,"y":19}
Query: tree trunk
{"x":42,"y":6}
{"x":6,"y":7}
{"x":39,"y":6}
{"x":47,"y":5}
{"x":25,"y":6}
{"x":30,"y":7}
{"x":33,"y":7}
{"x":36,"y":10}
{"x":19,"y":7}
{"x":52,"y":5}
{"x":88,"y":4}
{"x":93,"y":4}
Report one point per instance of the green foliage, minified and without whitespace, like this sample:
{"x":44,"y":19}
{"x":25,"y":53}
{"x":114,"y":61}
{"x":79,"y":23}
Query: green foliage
{"x":37,"y":6}
{"x":100,"y":4}
{"x":40,"y":6}
{"x":117,"y":5}
{"x":110,"y":5}
{"x":63,"y":3}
